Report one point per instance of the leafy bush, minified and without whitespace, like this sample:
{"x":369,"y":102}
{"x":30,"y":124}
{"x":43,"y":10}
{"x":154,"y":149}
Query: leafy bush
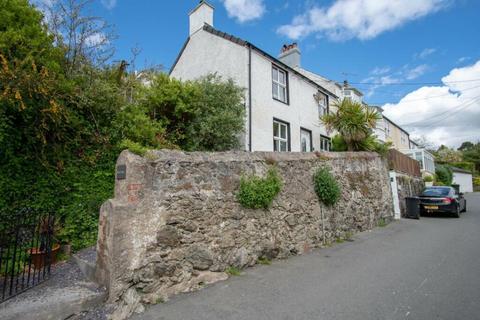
{"x":370,"y":143}
{"x":338,"y":144}
{"x":61,"y":131}
{"x":476,"y":181}
{"x":256,"y":192}
{"x":444,"y":174}
{"x":326,"y":187}
{"x":428,"y":179}
{"x":470,"y":166}
{"x":438,"y":183}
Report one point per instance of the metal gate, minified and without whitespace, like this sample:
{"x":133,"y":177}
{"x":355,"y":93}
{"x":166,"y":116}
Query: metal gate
{"x":26,"y":250}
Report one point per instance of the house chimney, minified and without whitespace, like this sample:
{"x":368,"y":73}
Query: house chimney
{"x":202,"y":14}
{"x":290,"y":55}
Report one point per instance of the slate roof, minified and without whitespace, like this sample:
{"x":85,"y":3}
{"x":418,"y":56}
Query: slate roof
{"x":241,"y":42}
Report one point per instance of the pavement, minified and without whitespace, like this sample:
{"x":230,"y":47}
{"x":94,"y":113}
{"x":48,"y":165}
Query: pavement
{"x":410,"y":269}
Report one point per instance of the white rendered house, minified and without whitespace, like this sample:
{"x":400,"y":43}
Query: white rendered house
{"x":283,"y":101}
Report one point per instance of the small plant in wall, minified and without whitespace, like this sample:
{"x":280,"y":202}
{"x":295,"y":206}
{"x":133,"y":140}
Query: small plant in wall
{"x":328,"y":191}
{"x":256,"y":192}
{"x":326,"y":186}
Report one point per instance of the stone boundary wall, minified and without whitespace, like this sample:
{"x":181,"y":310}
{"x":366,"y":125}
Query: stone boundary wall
{"x":408,"y":186}
{"x":175,"y":224}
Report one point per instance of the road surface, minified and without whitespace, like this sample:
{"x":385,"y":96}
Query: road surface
{"x":426,"y":269}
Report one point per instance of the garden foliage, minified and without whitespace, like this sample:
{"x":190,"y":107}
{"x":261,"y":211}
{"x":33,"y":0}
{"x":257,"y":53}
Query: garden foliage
{"x":61,"y":131}
{"x":256,"y":192}
{"x":326,"y":187}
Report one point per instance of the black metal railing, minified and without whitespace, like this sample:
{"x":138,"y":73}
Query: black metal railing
{"x":26,"y":250}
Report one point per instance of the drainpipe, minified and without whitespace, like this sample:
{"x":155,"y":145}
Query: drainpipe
{"x":249,"y":97}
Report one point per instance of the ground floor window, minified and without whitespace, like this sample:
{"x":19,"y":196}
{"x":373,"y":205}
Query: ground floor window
{"x":306,"y":140}
{"x":281,"y":136}
{"x":325,"y":143}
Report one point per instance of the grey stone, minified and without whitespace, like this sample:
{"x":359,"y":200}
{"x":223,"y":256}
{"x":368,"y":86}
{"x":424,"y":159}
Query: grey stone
{"x":168,"y":236}
{"x":200,"y":257}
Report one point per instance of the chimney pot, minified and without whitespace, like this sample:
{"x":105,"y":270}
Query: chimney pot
{"x":290,"y":55}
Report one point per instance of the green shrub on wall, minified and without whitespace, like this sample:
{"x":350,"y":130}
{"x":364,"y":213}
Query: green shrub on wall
{"x":326,"y":187}
{"x":256,"y":192}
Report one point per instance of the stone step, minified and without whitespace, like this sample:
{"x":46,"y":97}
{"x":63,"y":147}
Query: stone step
{"x":53,"y":303}
{"x":85,"y":260}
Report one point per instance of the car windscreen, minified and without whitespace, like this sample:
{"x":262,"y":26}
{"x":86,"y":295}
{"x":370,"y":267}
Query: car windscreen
{"x":436,"y":192}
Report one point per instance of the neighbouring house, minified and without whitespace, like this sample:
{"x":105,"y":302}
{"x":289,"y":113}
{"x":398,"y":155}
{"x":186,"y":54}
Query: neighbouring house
{"x":463,"y":178}
{"x":389,"y":131}
{"x":426,"y":159}
{"x":283,"y":101}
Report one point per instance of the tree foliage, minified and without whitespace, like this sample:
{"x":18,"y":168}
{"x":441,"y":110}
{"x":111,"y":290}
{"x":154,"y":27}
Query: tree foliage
{"x":354,"y":122}
{"x":444,"y":174}
{"x":65,"y":116}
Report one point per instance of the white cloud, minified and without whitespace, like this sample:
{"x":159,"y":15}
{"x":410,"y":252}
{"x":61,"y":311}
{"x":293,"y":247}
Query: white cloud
{"x":380,"y":70}
{"x":447,"y":114}
{"x":416,"y":72}
{"x":362,"y":19}
{"x":425,"y":53}
{"x":383,"y":76}
{"x":244,"y":10}
{"x":109,"y":4}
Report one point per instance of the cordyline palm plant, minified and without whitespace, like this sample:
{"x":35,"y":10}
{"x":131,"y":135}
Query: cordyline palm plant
{"x":353,"y":121}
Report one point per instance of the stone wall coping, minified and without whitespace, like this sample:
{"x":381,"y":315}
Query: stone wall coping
{"x":165,"y":155}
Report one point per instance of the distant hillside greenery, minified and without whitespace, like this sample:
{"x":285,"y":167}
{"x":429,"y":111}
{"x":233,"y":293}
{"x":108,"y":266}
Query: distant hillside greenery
{"x":466,"y":157}
{"x":65,"y":115}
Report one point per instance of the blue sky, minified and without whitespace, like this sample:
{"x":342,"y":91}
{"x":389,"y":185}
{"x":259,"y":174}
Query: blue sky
{"x":386,"y":42}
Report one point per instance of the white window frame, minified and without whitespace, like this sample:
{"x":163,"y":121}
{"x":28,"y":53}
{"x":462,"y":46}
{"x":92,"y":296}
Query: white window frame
{"x":322,"y":105}
{"x":325,"y":143}
{"x":277,"y":140}
{"x":278,"y":86}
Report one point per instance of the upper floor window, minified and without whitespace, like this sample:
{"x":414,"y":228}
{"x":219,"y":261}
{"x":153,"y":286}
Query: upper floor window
{"x":387,"y":128}
{"x":279,"y":84}
{"x":403,"y":138}
{"x":281,"y":136}
{"x":322,"y":101}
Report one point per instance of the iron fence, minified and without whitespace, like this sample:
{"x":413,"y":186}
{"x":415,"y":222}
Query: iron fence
{"x":26,"y":250}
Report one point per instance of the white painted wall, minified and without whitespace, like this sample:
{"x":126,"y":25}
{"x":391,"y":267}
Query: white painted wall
{"x":302,"y":110}
{"x":465,"y":181}
{"x":207,"y":53}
